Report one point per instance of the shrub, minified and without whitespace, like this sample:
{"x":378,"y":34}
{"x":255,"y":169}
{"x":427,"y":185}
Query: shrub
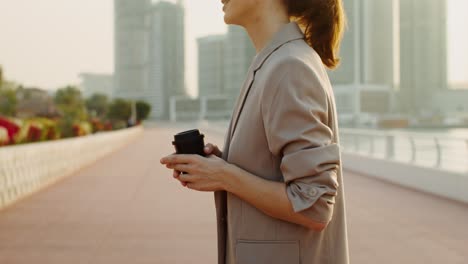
{"x":82,"y":129}
{"x":97,"y":125}
{"x":119,"y":124}
{"x":119,"y":109}
{"x":108,"y":126}
{"x":143,"y":109}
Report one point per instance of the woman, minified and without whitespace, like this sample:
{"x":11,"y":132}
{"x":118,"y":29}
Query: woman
{"x":278,"y":185}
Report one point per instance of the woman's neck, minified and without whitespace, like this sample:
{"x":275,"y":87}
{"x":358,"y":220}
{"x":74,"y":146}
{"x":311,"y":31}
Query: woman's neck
{"x":263,"y":28}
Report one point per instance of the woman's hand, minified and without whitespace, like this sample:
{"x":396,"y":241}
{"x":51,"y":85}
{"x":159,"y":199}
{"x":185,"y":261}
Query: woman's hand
{"x":201,"y":174}
{"x":209,"y":149}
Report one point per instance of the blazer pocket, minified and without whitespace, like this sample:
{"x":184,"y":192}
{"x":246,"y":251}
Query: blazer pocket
{"x":267,"y":252}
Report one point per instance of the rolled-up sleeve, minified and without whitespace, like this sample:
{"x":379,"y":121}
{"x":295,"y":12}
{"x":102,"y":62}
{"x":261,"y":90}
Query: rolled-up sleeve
{"x":295,"y":115}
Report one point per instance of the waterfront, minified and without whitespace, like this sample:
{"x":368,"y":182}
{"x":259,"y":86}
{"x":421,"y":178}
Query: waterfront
{"x":444,"y":149}
{"x":133,"y":211}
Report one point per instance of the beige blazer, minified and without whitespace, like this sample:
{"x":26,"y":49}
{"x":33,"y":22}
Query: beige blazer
{"x":284,"y":128}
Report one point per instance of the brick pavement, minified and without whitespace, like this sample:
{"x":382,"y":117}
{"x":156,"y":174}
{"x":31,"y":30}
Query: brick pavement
{"x":127,"y":208}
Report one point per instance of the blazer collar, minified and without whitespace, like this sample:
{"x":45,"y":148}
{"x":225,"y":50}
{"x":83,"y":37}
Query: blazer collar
{"x":287,"y":33}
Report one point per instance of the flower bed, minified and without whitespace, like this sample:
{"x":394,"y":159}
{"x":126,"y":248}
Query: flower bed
{"x":18,"y":131}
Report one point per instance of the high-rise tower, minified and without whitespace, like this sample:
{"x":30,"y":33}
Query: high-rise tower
{"x":167,"y":55}
{"x":239,"y":53}
{"x":131,"y":47}
{"x":423,"y":49}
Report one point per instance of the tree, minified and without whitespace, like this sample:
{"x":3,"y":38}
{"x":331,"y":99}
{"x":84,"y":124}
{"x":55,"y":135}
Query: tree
{"x":8,"y":102}
{"x":98,"y":104}
{"x":143,"y":109}
{"x":71,"y":103}
{"x":1,"y":76}
{"x":69,"y":95}
{"x":120,"y":109}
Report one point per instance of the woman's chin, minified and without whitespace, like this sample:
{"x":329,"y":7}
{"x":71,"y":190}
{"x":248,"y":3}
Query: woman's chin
{"x":228,"y":20}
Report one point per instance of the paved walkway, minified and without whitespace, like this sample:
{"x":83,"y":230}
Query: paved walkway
{"x":127,"y":208}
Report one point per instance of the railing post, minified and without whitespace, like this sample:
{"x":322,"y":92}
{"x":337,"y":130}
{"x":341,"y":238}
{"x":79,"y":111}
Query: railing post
{"x":413,"y":149}
{"x":389,"y":147}
{"x":466,"y":153}
{"x":203,"y":108}
{"x":356,"y":142}
{"x":172,"y":109}
{"x":438,"y":152}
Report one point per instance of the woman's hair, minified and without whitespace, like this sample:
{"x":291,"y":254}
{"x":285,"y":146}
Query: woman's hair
{"x":323,"y":22}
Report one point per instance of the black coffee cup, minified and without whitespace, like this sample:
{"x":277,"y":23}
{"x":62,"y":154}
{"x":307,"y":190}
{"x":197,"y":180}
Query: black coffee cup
{"x":189,"y":142}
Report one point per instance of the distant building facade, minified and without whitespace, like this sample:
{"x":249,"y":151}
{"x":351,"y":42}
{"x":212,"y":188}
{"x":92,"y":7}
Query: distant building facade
{"x":35,"y":102}
{"x":423,"y":48}
{"x":223,"y":63}
{"x":239,"y":53}
{"x":92,"y":83}
{"x":131,"y":47}
{"x":167,"y":56}
{"x":211,"y":65}
{"x":364,"y":83}
{"x":149,"y":53}
{"x":369,"y":50}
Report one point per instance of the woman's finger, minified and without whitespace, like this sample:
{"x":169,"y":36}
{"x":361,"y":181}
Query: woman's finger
{"x":189,"y":178}
{"x":180,"y":158}
{"x":176,"y":175}
{"x":181,"y":167}
{"x":212,"y":149}
{"x":183,"y":183}
{"x":209,"y":148}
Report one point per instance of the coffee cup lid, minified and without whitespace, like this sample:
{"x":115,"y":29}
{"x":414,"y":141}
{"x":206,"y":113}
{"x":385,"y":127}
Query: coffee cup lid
{"x":187,"y":135}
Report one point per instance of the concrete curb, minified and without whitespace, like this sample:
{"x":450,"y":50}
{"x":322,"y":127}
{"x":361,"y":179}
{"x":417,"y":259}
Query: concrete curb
{"x":26,"y":169}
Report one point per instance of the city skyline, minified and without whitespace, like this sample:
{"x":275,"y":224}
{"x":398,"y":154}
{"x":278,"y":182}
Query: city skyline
{"x":24,"y":64}
{"x":36,"y":51}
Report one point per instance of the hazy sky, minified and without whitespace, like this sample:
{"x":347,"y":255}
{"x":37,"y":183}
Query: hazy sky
{"x":458,"y":41}
{"x":47,"y":43}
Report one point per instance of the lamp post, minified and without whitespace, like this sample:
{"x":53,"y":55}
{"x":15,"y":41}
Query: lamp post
{"x":133,"y":116}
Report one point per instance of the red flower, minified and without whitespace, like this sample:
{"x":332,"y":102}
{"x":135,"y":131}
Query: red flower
{"x":76,"y":130}
{"x":11,"y":128}
{"x":34,"y":133}
{"x":108,"y":126}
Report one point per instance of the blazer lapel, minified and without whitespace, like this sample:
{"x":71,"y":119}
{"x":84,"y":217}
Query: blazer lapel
{"x":227,"y":142}
{"x":288,"y":33}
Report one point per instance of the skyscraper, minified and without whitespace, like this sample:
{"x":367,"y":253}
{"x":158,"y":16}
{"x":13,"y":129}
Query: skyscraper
{"x":345,"y":74}
{"x":167,"y":56}
{"x":149,"y":53}
{"x":239,"y":53}
{"x":367,"y":51}
{"x":131,"y":47}
{"x":423,"y":49}
{"x":211,"y":65}
{"x":364,"y":81}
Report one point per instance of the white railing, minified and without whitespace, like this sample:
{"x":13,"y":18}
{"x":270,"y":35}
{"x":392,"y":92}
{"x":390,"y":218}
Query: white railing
{"x":27,"y":168}
{"x":436,"y":164}
{"x":428,"y":150}
{"x":421,"y":149}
